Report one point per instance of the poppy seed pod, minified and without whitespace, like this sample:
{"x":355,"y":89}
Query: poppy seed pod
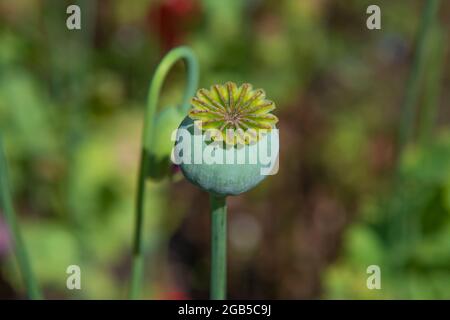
{"x":228,"y":143}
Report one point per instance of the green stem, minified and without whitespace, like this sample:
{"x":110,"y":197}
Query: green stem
{"x":403,"y":229}
{"x":433,"y":86}
{"x":19,"y":245}
{"x":218,"y":247}
{"x":409,"y":105}
{"x":398,"y":222}
{"x":163,"y":69}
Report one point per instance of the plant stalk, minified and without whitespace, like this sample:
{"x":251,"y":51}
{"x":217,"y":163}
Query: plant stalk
{"x":218,"y":247}
{"x":433,"y":79}
{"x":6,"y":205}
{"x":409,"y":104}
{"x":180,"y":53}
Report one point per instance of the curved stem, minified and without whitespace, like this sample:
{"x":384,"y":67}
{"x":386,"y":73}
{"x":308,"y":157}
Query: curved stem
{"x":409,"y":104}
{"x":163,"y":69}
{"x":19,"y":245}
{"x":218,"y":247}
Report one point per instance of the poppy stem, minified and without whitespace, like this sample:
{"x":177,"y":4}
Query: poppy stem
{"x":218,"y":247}
{"x":412,"y":91}
{"x":6,"y":205}
{"x":180,"y":53}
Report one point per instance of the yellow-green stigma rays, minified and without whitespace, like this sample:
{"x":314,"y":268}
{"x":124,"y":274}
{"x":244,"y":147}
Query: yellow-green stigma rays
{"x":236,"y":115}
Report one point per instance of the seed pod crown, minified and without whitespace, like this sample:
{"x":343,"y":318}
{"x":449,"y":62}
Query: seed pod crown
{"x":238,"y":115}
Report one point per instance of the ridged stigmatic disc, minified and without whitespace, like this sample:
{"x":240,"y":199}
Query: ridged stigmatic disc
{"x":238,"y":115}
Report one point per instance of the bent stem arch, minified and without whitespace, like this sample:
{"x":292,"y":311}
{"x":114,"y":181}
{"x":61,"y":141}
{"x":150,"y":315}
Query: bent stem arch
{"x":6,"y":205}
{"x":180,"y":53}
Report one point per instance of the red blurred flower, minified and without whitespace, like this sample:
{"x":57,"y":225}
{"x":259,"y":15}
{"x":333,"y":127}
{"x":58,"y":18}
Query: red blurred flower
{"x":173,"y":295}
{"x":171,"y":19}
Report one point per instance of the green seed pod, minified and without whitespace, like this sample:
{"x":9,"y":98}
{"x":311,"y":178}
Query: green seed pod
{"x":227,"y":145}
